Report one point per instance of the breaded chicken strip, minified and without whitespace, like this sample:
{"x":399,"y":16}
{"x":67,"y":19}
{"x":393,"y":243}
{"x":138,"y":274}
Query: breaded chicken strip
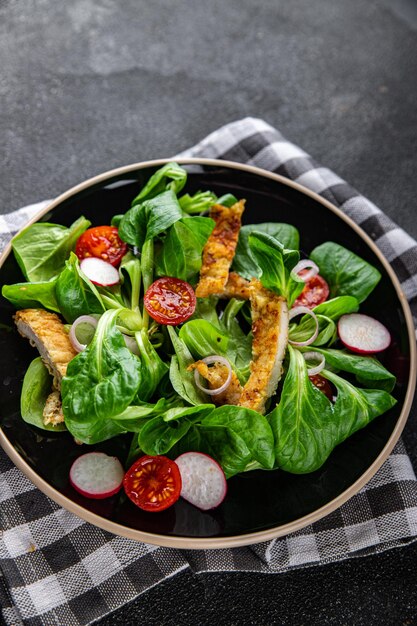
{"x":52,"y":412}
{"x":216,"y":375}
{"x":47,"y":333}
{"x":220,"y":249}
{"x":236,"y":287}
{"x":270,"y":338}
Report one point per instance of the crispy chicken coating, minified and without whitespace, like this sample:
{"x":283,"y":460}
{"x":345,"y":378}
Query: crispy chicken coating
{"x":220,"y":249}
{"x":270,"y":338}
{"x":216,"y":375}
{"x":47,"y":333}
{"x":236,"y":287}
{"x":52,"y":412}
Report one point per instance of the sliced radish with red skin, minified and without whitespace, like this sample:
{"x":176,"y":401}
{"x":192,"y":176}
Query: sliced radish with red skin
{"x":203,"y":481}
{"x":96,"y":475}
{"x":99,"y":272}
{"x":363,"y":334}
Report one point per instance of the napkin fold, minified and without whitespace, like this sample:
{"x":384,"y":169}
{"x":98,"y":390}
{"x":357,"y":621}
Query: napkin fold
{"x":57,"y":569}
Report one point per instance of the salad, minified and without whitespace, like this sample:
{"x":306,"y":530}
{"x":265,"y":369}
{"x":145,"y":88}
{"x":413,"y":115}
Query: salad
{"x":207,"y":341}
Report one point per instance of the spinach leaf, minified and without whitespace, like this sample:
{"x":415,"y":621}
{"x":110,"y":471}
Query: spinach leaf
{"x":101,"y":382}
{"x":170,"y":176}
{"x":336,"y":307}
{"x":37,"y":385}
{"x":302,"y":423}
{"x":346,"y":273}
{"x":42,"y":248}
{"x":181,"y":252}
{"x":32,"y":295}
{"x":368,"y":370}
{"x":206,"y":310}
{"x":200,"y":202}
{"x":75,"y":293}
{"x":244,"y":262}
{"x":355,"y":408}
{"x":276,"y":264}
{"x":150,"y":218}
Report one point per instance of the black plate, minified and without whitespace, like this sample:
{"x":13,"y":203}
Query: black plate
{"x":256,"y":501}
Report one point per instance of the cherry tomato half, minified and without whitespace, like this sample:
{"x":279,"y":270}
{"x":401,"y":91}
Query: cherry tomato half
{"x":323,"y":384}
{"x":315,"y":292}
{"x":153,"y":483}
{"x":170,"y":301}
{"x":102,"y":242}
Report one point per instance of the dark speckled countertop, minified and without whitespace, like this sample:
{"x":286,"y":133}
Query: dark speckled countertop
{"x":89,"y":85}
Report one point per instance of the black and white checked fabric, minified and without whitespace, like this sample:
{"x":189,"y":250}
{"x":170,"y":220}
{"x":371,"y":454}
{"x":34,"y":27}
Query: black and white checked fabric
{"x":57,"y":569}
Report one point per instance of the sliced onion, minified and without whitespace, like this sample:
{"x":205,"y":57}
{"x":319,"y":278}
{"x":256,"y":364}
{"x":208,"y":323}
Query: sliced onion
{"x":83,"y":319}
{"x":132,"y":344}
{"x":306,"y":264}
{"x":299,"y":310}
{"x":210,"y":360}
{"x":312,"y":371}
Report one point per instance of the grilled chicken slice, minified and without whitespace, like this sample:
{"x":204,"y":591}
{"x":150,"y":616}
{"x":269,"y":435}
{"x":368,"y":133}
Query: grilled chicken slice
{"x":52,"y":412}
{"x":270,"y":338}
{"x":216,"y":375}
{"x":47,"y":333}
{"x":220,"y":249}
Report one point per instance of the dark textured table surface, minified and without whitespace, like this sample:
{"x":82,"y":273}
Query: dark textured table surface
{"x":89,"y":85}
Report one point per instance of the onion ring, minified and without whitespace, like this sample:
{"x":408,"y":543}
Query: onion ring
{"x":298,"y":310}
{"x":83,"y":319}
{"x":210,"y":360}
{"x":304,"y":264}
{"x":312,"y":371}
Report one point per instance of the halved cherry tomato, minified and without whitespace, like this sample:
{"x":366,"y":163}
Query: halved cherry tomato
{"x":170,"y":301}
{"x":323,"y":384}
{"x":102,"y":242}
{"x":153,"y":483}
{"x":315,"y":292}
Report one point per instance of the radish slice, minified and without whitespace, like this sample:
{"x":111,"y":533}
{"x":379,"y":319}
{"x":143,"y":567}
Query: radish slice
{"x":80,"y":323}
{"x":203,"y":480}
{"x":96,"y":475}
{"x":211,"y":360}
{"x":316,"y":356}
{"x":303,"y":265}
{"x":363,"y":334}
{"x":303,"y":310}
{"x":99,"y":272}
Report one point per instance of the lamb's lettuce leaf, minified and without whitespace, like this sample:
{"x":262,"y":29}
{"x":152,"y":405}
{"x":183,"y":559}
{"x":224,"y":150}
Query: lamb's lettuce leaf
{"x":75,"y":293}
{"x":244,"y":262}
{"x":150,"y":218}
{"x":181,"y":253}
{"x":42,"y":248}
{"x":32,"y":295}
{"x":368,"y":370}
{"x":170,"y":176}
{"x":276,"y":264}
{"x":37,"y":385}
{"x":101,"y":382}
{"x":336,"y":307}
{"x":345,"y":272}
{"x":200,"y":202}
{"x":307,"y":426}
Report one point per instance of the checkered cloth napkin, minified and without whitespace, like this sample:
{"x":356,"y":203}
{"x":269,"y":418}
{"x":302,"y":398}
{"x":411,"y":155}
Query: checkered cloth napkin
{"x":57,"y":569}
